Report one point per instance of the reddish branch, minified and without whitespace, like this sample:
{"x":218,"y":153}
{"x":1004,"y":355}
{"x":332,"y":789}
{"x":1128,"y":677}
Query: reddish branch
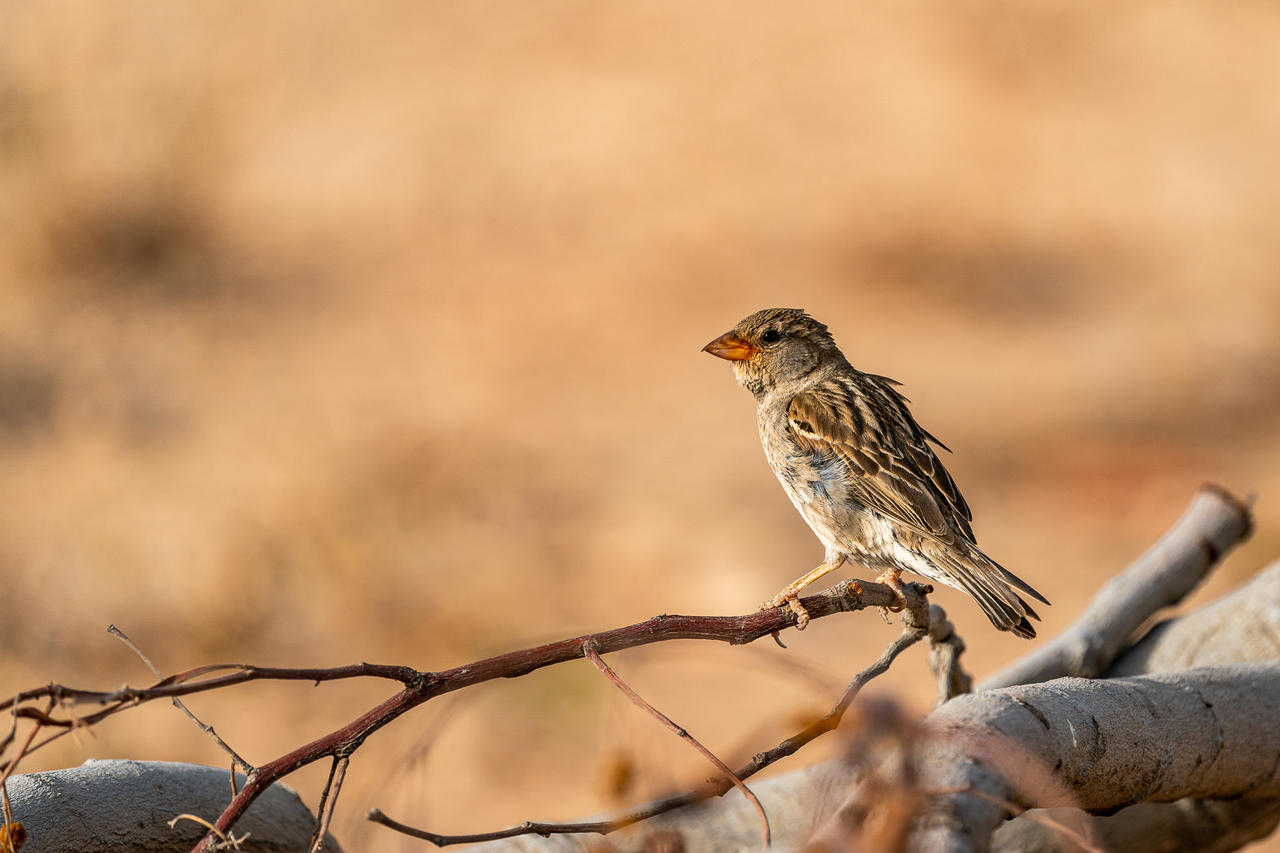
{"x":420,"y":686}
{"x":1230,"y":522}
{"x":589,"y":650}
{"x":916,"y":625}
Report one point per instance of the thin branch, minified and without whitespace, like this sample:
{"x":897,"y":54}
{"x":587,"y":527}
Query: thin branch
{"x":226,"y":841}
{"x":636,"y":699}
{"x":1215,"y":522}
{"x":329,"y":800}
{"x":236,"y":760}
{"x":180,"y":685}
{"x":133,"y":647}
{"x":13,"y":765}
{"x":945,"y":648}
{"x":915,"y":626}
{"x":846,"y":596}
{"x":13,"y":732}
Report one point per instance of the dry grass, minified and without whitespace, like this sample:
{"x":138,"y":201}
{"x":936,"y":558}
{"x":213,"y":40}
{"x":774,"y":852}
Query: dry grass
{"x":330,"y":334}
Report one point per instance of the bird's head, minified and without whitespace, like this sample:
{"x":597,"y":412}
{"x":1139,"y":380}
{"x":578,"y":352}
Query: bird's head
{"x":774,"y":347}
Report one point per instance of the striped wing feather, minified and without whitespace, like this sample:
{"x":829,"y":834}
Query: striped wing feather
{"x":863,"y":420}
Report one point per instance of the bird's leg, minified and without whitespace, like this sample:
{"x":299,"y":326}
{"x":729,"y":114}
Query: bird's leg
{"x":791,"y":595}
{"x":893,"y":580}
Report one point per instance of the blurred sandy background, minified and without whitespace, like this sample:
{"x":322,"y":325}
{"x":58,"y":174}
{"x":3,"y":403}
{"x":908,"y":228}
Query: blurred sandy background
{"x":336,"y":332}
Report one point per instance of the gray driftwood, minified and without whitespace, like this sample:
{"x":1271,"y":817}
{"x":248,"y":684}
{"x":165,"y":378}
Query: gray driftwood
{"x":1213,"y":524}
{"x":1242,"y":626}
{"x":126,"y":806}
{"x":1099,"y":745}
{"x":1187,"y":716}
{"x":1196,"y":722}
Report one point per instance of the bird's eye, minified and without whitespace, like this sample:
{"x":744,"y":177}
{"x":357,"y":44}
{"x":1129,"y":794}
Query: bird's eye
{"x":771,"y":336}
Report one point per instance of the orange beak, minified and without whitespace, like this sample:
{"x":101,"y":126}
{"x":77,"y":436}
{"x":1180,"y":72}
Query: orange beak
{"x":731,"y":347}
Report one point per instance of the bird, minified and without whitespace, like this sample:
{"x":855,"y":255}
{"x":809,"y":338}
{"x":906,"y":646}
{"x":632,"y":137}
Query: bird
{"x":860,"y":470}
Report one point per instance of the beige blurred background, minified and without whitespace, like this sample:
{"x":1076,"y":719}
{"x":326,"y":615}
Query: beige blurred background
{"x":336,"y":332}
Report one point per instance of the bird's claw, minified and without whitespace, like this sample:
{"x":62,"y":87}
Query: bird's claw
{"x":893,"y":580}
{"x":802,"y":615}
{"x":792,"y":601}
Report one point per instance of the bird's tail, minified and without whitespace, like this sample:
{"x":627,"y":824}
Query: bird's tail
{"x":992,"y":586}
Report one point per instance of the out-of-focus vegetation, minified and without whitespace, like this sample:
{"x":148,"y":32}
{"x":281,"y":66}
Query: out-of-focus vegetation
{"x":334,"y":332}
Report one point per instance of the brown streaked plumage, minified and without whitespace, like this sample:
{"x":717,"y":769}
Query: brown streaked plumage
{"x":859,"y":468}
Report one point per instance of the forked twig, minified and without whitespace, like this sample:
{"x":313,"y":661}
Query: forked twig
{"x":591,"y":654}
{"x":13,"y":764}
{"x":226,"y":840}
{"x":1215,"y":524}
{"x":915,"y":626}
{"x":329,"y":800}
{"x":236,"y":760}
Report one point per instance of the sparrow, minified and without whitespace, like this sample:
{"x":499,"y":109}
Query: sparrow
{"x":859,"y":469}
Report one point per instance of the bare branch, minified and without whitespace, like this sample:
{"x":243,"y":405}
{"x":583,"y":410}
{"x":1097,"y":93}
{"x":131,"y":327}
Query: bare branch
{"x":915,"y":626}
{"x":419,"y":687}
{"x":816,"y":787}
{"x":945,"y":648}
{"x":680,"y":731}
{"x":180,"y":685}
{"x":13,"y":765}
{"x":329,"y":800}
{"x":236,"y":760}
{"x":1099,"y":746}
{"x":1213,"y":524}
{"x":844,"y":597}
{"x":847,"y":596}
{"x":1241,"y":626}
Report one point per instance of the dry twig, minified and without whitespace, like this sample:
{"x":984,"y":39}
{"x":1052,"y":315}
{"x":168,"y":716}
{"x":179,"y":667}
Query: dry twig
{"x":329,"y":800}
{"x":636,"y":699}
{"x":915,"y":626}
{"x":420,"y":687}
{"x":236,"y":760}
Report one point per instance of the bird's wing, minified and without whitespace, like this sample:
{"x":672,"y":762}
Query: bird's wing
{"x":864,"y":421}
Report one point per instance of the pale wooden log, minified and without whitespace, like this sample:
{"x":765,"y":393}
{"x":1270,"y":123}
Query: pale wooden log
{"x":1241,"y":626}
{"x":1214,"y":523}
{"x":1209,"y":732}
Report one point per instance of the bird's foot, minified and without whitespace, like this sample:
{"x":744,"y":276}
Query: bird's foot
{"x":893,"y":580}
{"x":790,"y":598}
